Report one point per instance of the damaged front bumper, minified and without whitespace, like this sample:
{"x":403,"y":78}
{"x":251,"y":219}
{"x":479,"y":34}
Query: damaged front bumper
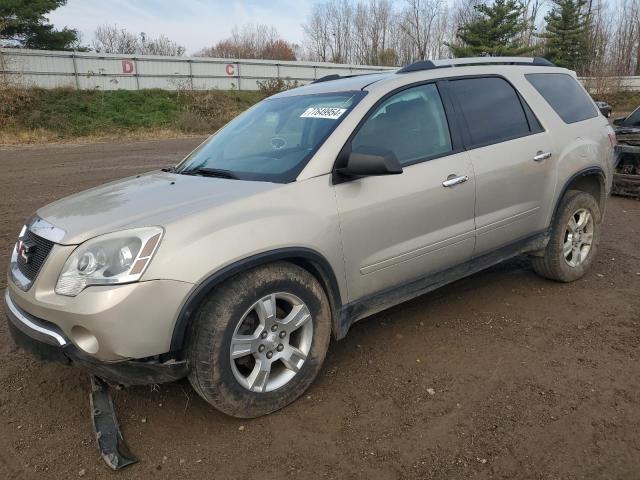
{"x":48,"y":342}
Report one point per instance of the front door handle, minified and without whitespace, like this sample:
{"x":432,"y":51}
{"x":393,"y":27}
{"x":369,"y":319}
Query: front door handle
{"x":540,"y":156}
{"x":453,"y":180}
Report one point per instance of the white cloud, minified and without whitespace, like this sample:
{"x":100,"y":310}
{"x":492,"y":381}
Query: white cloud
{"x":192,"y":23}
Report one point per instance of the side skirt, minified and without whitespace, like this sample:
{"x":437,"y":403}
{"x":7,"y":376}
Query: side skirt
{"x":365,"y":307}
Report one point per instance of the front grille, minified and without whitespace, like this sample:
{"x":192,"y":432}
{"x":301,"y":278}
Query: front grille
{"x":39,"y":249}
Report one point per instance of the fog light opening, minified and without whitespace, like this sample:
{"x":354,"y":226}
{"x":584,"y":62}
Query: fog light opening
{"x":85,"y":340}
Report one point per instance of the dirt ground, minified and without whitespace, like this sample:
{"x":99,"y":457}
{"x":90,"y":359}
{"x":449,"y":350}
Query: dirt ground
{"x":500,"y":375}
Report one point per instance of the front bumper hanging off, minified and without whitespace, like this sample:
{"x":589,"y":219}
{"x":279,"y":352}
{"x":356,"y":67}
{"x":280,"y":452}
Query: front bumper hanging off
{"x":48,"y":342}
{"x":109,"y":438}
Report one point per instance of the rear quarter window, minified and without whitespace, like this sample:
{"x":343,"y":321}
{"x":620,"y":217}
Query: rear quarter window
{"x":563,"y":93}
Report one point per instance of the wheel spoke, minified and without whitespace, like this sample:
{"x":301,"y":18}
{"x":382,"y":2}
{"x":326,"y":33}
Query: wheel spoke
{"x":293,"y":358}
{"x":576,"y":256}
{"x":567,"y":247}
{"x":298,"y":316}
{"x":584,"y":218}
{"x":573,"y":226}
{"x":586,"y":238}
{"x":243,"y":345}
{"x":266,"y":309}
{"x":259,"y":376}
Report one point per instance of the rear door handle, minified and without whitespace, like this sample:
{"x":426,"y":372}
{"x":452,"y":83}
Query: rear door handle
{"x":452,"y":180}
{"x":540,"y":156}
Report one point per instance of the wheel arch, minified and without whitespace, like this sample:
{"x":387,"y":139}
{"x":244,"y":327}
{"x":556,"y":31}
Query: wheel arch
{"x":315,"y":263}
{"x":590,"y":180}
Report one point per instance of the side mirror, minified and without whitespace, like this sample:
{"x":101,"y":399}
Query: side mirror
{"x":619,"y":121}
{"x":368,"y":161}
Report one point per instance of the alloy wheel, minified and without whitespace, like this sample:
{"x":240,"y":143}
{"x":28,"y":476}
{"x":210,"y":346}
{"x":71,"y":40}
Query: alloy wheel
{"x":578,"y":237}
{"x":271,"y":342}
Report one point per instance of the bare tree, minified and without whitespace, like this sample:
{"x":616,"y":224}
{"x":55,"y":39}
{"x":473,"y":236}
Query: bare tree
{"x":377,"y":31}
{"x":111,"y":39}
{"x":329,"y":31}
{"x":316,"y":31}
{"x":160,"y":46}
{"x":531,"y":13}
{"x":417,"y":24}
{"x":625,"y":49}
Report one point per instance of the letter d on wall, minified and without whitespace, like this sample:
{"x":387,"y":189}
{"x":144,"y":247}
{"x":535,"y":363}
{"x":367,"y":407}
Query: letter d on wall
{"x":127,"y":66}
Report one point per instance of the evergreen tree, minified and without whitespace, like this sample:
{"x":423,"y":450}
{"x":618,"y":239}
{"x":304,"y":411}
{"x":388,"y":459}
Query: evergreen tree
{"x":567,"y":34}
{"x":23,"y":24}
{"x":495,"y":31}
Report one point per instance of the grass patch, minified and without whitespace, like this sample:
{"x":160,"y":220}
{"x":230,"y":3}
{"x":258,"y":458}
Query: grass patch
{"x":62,"y":114}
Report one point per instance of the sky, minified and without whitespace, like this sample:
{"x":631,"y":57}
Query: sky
{"x":193,"y":24}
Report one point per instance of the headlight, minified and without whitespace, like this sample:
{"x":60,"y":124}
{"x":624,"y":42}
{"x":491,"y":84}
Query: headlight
{"x":119,"y":257}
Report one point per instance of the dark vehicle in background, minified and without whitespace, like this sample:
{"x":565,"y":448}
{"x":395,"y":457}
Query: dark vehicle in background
{"x":604,"y":108}
{"x":630,"y":121}
{"x":626,"y":179}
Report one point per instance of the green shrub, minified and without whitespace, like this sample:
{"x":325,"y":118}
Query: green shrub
{"x":272,"y":86}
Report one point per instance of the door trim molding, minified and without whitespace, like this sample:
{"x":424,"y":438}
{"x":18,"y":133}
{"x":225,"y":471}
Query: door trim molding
{"x":490,"y":227}
{"x":416,"y":253}
{"x":384,"y":299}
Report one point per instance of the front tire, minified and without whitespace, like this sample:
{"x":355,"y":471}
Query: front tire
{"x":258,"y":342}
{"x":574,"y":239}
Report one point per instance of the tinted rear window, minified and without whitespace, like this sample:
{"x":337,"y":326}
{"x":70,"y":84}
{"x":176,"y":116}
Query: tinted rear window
{"x":564,"y":95}
{"x":491,"y":108}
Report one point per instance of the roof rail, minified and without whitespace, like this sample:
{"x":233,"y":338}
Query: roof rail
{"x":327,"y":78}
{"x":458,"y":62}
{"x":335,"y":76}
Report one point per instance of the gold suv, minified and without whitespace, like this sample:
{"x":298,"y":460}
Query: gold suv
{"x":314,"y":209}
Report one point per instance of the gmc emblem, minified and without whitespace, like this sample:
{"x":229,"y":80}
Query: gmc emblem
{"x":26,"y":250}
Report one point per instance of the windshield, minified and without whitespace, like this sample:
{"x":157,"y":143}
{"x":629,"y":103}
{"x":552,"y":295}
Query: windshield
{"x":273,"y":140}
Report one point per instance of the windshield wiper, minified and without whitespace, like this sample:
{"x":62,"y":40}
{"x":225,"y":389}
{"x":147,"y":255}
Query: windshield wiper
{"x":211,"y":172}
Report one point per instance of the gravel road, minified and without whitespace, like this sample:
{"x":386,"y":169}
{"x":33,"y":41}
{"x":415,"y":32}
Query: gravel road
{"x":500,"y":375}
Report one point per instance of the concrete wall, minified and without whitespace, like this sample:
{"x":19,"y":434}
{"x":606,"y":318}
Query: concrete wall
{"x":51,"y":69}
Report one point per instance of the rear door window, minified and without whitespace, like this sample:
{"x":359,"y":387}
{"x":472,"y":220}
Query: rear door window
{"x":491,"y":108}
{"x":565,"y":95}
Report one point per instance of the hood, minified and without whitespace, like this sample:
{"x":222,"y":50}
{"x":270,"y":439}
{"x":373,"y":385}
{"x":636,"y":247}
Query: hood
{"x":155,"y":198}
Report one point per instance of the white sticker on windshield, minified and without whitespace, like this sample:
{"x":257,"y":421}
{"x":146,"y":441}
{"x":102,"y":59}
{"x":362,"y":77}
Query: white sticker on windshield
{"x":331,"y":113}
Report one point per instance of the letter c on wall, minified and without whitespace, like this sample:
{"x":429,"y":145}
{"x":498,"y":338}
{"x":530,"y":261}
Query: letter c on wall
{"x":229,"y":69}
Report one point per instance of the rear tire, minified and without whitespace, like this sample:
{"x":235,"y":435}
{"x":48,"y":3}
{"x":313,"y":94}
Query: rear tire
{"x":258,"y":342}
{"x":573,"y":244}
